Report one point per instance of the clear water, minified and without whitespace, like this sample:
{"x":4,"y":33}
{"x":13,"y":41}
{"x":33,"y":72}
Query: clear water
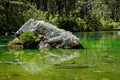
{"x":100,"y":60}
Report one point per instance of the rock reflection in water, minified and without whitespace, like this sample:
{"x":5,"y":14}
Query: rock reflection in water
{"x":118,"y":33}
{"x":41,"y":61}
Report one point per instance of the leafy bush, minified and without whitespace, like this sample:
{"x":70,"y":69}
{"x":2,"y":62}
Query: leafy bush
{"x":93,"y":24}
{"x":27,"y":37}
{"x":67,"y":23}
{"x":34,"y":13}
{"x":109,"y":24}
{"x":81,"y":23}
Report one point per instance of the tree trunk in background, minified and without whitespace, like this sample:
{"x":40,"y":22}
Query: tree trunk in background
{"x":45,"y":5}
{"x":6,"y":5}
{"x":38,"y":3}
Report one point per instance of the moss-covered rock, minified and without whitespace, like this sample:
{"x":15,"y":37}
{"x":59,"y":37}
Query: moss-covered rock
{"x":42,"y":35}
{"x":39,"y":38}
{"x":15,"y":44}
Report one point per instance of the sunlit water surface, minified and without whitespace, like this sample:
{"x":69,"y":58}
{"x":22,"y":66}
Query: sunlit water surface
{"x":100,"y":60}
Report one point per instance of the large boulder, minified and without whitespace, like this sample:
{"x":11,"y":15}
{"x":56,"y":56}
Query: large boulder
{"x":53,"y":37}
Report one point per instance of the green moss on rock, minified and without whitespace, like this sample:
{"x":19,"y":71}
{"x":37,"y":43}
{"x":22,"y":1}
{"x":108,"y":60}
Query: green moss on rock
{"x":15,"y":44}
{"x":27,"y":37}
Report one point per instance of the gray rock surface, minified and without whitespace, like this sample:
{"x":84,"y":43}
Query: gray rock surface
{"x":53,"y":36}
{"x":118,"y":27}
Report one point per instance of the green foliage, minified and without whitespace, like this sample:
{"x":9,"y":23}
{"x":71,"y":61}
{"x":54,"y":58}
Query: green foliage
{"x":66,"y":23}
{"x":93,"y":24}
{"x":34,"y":13}
{"x":88,"y":15}
{"x":17,"y":2}
{"x":54,"y":19}
{"x":109,"y":25}
{"x":81,"y":23}
{"x":27,"y":37}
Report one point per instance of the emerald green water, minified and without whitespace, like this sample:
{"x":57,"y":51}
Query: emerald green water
{"x":100,"y":60}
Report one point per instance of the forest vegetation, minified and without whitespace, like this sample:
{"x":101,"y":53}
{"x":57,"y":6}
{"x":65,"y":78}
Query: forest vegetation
{"x":72,"y":15}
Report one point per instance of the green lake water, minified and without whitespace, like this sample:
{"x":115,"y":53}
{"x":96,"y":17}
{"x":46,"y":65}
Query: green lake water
{"x":100,"y":60}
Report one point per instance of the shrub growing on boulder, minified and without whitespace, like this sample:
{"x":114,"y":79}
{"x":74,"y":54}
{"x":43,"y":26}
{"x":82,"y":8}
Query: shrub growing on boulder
{"x":28,"y":38}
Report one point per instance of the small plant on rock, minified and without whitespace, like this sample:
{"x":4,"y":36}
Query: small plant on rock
{"x":28,"y":39}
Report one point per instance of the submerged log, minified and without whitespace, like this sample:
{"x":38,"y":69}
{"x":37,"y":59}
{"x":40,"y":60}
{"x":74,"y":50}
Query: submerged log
{"x":53,"y":37}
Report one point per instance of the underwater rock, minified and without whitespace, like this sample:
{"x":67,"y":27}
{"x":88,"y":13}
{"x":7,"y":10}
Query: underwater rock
{"x":53,"y":37}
